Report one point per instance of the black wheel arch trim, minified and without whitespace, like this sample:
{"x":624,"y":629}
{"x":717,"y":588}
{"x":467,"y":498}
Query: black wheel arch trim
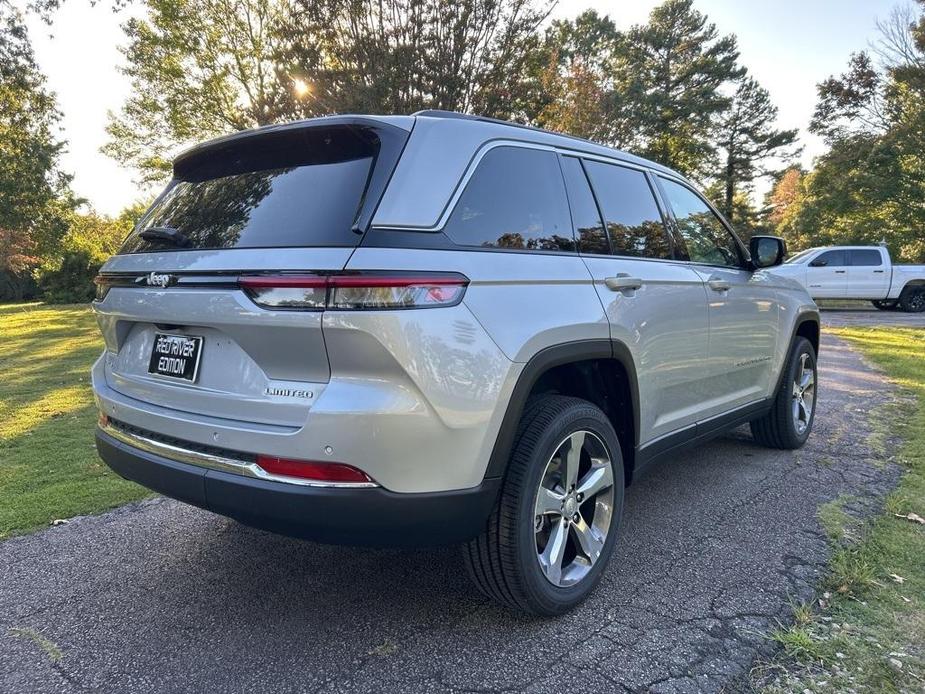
{"x":802,"y":319}
{"x":541,"y":362}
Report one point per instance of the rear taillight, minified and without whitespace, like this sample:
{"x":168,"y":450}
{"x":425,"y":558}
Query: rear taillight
{"x":102,"y":287}
{"x":331,"y":473}
{"x":356,"y":292}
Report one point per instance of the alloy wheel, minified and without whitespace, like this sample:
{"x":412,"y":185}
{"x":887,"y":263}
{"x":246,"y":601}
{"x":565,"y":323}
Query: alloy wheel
{"x":804,"y":394}
{"x":574,"y":508}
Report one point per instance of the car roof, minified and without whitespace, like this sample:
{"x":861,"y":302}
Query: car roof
{"x":443,"y":146}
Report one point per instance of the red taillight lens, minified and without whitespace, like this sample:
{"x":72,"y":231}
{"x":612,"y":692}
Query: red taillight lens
{"x":356,"y":292}
{"x":287,"y":291}
{"x":313,"y":471}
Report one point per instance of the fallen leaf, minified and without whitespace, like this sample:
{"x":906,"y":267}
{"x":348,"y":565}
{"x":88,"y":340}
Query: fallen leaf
{"x":898,"y":579}
{"x":905,"y":599}
{"x":914,"y":517}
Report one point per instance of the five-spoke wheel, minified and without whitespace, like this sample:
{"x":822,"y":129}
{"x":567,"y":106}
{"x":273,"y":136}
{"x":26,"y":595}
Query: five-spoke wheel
{"x":574,"y":505}
{"x":553,"y":530}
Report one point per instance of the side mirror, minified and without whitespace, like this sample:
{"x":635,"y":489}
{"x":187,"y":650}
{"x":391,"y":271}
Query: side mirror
{"x":767,"y":251}
{"x":818,"y":262}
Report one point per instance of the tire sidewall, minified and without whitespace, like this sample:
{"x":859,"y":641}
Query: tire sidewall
{"x":801,"y":347}
{"x":556,"y":599}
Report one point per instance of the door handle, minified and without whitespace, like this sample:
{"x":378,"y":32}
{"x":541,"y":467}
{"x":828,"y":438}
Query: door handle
{"x":839,"y":272}
{"x":718,"y":285}
{"x":879,"y":272}
{"x":622,"y":282}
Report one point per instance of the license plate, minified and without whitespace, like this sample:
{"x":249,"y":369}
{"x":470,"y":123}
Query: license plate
{"x":176,"y":356}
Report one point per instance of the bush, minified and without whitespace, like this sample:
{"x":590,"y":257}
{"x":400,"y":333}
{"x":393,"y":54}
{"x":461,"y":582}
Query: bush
{"x":67,"y":275}
{"x":72,"y":281}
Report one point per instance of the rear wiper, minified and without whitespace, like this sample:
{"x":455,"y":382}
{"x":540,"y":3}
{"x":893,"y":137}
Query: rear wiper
{"x":168,"y":234}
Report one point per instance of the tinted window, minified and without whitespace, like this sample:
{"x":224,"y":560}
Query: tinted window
{"x":867,"y":257}
{"x":830,"y":259}
{"x":301,"y":190}
{"x":630,"y":212}
{"x":515,"y":199}
{"x":704,"y":237}
{"x":585,"y":216}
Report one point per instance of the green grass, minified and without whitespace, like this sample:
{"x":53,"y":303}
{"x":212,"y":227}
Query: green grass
{"x":48,"y":464}
{"x":870,"y":632}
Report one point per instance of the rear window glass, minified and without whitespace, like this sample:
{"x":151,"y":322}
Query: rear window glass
{"x":515,"y":200}
{"x":304,"y":189}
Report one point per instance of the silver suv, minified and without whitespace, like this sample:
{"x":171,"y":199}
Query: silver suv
{"x":407,"y":331}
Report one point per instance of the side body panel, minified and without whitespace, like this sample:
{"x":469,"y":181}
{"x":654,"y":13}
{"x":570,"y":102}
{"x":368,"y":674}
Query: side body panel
{"x":665,"y":326}
{"x":869,"y":281}
{"x":526,"y":302}
{"x":744,"y":327}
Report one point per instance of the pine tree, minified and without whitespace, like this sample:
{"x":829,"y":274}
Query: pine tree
{"x":748,"y":139}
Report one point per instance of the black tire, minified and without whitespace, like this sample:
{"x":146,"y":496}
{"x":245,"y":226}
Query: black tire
{"x":912,"y":299}
{"x":885,"y":304}
{"x":779,"y":428}
{"x":503,"y":561}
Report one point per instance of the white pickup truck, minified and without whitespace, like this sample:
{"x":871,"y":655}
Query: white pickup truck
{"x":858,"y":272}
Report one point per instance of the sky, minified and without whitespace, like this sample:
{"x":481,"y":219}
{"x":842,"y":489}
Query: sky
{"x":787,"y":45}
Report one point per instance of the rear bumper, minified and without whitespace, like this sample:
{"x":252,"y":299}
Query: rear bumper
{"x":367,"y":516}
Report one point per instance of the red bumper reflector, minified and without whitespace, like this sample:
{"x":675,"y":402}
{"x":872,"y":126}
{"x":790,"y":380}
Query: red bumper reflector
{"x":311,"y":470}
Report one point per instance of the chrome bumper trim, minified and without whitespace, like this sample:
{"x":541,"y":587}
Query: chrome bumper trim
{"x":211,"y":461}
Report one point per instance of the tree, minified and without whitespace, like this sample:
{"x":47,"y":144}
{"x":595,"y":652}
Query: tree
{"x":870,"y":185}
{"x":33,"y":191}
{"x":200,"y":68}
{"x":579,"y":65}
{"x":748,"y":139}
{"x":784,"y":194}
{"x":675,"y":72}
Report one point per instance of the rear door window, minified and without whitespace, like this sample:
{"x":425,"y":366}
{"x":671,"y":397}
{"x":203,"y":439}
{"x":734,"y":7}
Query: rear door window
{"x":865,"y":258}
{"x":586,"y":218}
{"x":631,"y":214}
{"x":304,"y":189}
{"x":515,"y":200}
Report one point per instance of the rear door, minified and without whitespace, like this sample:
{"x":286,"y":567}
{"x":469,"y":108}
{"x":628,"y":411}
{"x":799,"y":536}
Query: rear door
{"x":180,"y":331}
{"x":827,"y":275}
{"x":744,"y":308}
{"x":868,"y":275}
{"x":656,"y":307}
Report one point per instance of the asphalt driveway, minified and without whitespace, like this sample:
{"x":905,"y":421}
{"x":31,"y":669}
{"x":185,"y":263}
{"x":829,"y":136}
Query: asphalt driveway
{"x":159,"y":596}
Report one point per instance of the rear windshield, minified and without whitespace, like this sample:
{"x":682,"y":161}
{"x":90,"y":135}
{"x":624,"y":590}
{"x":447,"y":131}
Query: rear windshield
{"x":300,"y":188}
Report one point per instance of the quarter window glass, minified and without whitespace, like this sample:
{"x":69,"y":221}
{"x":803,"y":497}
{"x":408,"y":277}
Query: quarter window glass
{"x":830,"y":259}
{"x":705,"y":238}
{"x":866,"y":258}
{"x":515,"y":199}
{"x":630,"y":211}
{"x":585,"y":216}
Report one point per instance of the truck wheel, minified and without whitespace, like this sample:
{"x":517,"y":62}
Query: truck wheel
{"x":556,"y":521}
{"x":885,"y":304}
{"x":912,"y":299}
{"x":790,"y":420}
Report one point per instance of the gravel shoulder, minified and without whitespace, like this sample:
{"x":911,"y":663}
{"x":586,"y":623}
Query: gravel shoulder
{"x":159,"y":596}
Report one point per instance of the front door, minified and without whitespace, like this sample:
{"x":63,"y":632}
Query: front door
{"x":743,"y":306}
{"x":827,"y":275}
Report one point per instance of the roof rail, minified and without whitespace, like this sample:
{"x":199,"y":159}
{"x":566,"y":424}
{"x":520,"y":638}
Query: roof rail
{"x":439,"y":113}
